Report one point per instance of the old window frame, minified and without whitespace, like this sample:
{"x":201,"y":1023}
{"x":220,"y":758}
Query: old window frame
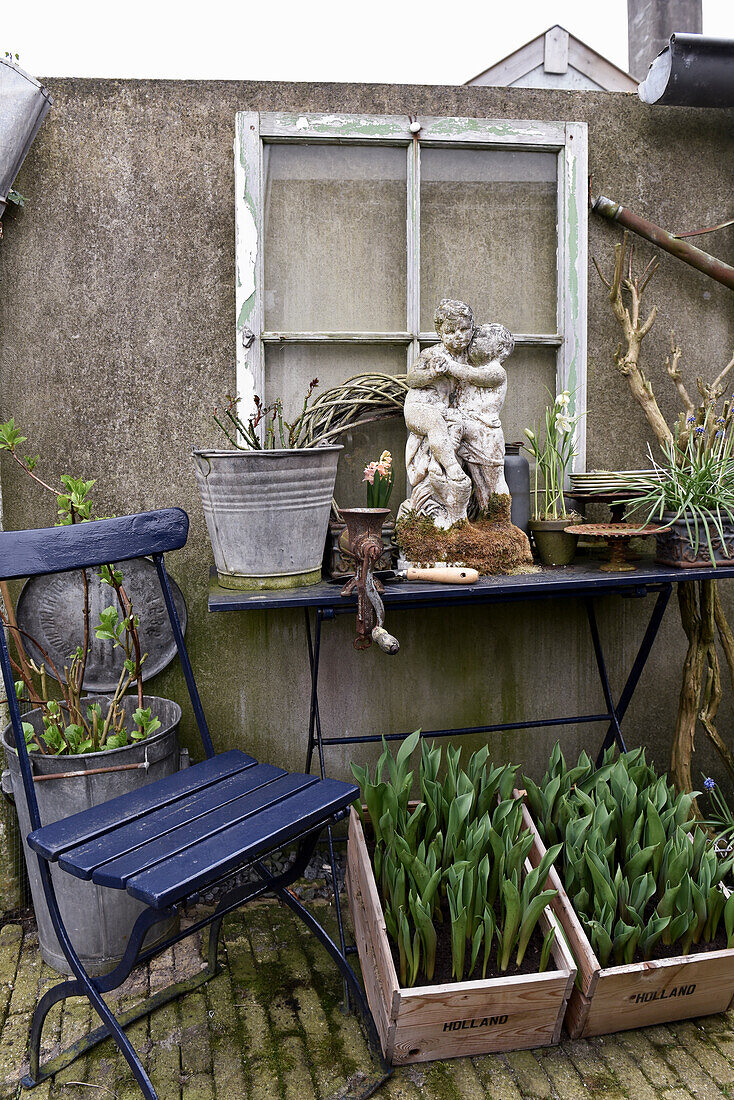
{"x":569,"y":140}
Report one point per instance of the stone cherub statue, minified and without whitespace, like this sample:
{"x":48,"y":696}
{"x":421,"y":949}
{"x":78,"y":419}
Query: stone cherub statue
{"x":456,"y":392}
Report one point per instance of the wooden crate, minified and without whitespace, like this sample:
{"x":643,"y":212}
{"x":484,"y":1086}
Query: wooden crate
{"x":424,"y":1023}
{"x":617,"y":998}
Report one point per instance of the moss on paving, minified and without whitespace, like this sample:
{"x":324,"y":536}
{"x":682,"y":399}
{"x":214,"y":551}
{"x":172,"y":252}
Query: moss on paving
{"x":270,"y":1026}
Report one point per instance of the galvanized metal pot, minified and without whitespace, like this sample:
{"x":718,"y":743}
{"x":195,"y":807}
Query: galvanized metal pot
{"x":267,"y":513}
{"x":554,"y":544}
{"x":98,"y":919}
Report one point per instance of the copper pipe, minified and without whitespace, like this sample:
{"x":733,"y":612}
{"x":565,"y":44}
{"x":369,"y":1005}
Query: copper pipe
{"x":89,"y":771}
{"x":695,"y":257}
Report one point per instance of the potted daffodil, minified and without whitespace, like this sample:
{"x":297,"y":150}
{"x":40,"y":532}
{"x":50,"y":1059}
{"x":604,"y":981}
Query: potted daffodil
{"x":553,"y":456}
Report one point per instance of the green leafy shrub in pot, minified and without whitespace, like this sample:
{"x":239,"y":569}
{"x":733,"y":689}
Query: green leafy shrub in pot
{"x":461,"y":844}
{"x":72,"y":726}
{"x":637,"y":869}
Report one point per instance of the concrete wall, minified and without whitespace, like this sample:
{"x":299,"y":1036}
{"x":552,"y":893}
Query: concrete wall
{"x":117,"y":339}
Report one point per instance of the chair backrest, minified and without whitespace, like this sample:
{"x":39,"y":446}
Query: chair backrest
{"x":98,"y":542}
{"x":83,"y":546}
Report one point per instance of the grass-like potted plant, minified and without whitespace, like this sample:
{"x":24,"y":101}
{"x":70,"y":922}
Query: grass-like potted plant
{"x":639,"y":894}
{"x":690,"y":491}
{"x":553,"y":457}
{"x":84,"y":749}
{"x":267,"y":501}
{"x":444,"y":896}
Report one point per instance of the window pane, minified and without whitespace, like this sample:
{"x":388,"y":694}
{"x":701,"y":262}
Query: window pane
{"x":530,"y":373}
{"x":288,"y":370}
{"x":335,"y":238}
{"x":488,"y":235}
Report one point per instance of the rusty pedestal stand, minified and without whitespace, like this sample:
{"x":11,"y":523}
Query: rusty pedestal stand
{"x":618,"y":536}
{"x":365,"y":548}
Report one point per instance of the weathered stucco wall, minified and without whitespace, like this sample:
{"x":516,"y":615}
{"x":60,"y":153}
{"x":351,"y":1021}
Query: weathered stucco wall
{"x":117,"y":339}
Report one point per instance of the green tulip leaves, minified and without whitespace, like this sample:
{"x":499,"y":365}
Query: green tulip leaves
{"x":460,"y":851}
{"x":636,"y":870}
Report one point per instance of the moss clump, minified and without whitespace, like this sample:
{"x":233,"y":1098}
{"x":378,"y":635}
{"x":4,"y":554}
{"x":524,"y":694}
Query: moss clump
{"x":491,"y":544}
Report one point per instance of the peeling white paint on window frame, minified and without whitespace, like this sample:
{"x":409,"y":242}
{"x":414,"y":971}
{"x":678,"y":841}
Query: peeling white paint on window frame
{"x":569,"y":140}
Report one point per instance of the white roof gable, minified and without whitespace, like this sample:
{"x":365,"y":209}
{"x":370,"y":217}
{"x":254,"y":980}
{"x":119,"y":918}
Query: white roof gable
{"x":556,"y":59}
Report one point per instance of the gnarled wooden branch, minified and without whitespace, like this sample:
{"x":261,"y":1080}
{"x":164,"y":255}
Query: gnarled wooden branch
{"x":717,"y":386}
{"x":627,"y":356}
{"x":671,"y":366}
{"x":702,"y":614}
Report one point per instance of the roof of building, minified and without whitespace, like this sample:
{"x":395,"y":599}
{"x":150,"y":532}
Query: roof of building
{"x":556,"y":59}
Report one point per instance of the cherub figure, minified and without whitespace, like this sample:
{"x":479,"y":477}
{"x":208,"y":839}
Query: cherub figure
{"x":479,"y":399}
{"x":439,"y":486}
{"x":432,"y":385}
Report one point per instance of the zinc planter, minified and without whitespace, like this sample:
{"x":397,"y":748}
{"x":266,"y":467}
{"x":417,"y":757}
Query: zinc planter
{"x":98,"y":919}
{"x":674,"y":546}
{"x":267,"y":513}
{"x":425,"y":1023}
{"x":617,"y":998}
{"x":554,"y":544}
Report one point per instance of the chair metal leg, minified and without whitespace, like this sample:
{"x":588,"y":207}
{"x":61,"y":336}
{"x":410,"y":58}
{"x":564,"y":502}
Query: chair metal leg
{"x":51,"y":997}
{"x":135,"y":956}
{"x":368,"y":1087}
{"x":88,"y":988}
{"x":38,"y":1073}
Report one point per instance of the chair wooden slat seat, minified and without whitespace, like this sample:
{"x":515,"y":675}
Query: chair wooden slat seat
{"x":53,"y":840}
{"x":190,"y":870}
{"x":116,"y":861}
{"x":160,"y":821}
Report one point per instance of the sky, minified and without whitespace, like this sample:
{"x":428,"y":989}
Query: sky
{"x":381,"y":41}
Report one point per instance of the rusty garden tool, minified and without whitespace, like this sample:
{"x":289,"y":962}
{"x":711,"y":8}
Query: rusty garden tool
{"x":365,"y":548}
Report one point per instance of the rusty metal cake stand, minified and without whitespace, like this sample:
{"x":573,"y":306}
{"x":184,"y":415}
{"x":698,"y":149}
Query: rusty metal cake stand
{"x":618,"y":536}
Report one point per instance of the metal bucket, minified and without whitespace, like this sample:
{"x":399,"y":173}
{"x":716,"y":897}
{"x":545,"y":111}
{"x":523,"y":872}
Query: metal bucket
{"x":267,"y":513}
{"x":99,"y":920}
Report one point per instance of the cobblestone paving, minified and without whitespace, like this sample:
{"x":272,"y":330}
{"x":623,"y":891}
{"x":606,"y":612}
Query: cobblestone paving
{"x":269,"y":1027}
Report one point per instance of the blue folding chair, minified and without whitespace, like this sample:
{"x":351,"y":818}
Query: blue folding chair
{"x":167,"y":841}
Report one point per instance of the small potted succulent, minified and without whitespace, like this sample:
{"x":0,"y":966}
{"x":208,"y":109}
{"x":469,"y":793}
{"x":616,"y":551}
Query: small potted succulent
{"x":267,"y":501}
{"x":640,"y":894}
{"x":690,"y":492}
{"x":448,"y":913}
{"x":553,"y":457}
{"x":84,"y":749}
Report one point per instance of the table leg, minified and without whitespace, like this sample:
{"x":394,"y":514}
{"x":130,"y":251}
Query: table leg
{"x":603,"y":677}
{"x":640,"y":661}
{"x":313,"y":641}
{"x":314,"y":718}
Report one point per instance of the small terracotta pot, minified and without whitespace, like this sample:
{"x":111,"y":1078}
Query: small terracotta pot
{"x":555,"y":546}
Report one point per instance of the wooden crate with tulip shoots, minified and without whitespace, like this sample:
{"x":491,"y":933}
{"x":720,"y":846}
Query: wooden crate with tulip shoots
{"x":459,"y":949}
{"x":639,"y":894}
